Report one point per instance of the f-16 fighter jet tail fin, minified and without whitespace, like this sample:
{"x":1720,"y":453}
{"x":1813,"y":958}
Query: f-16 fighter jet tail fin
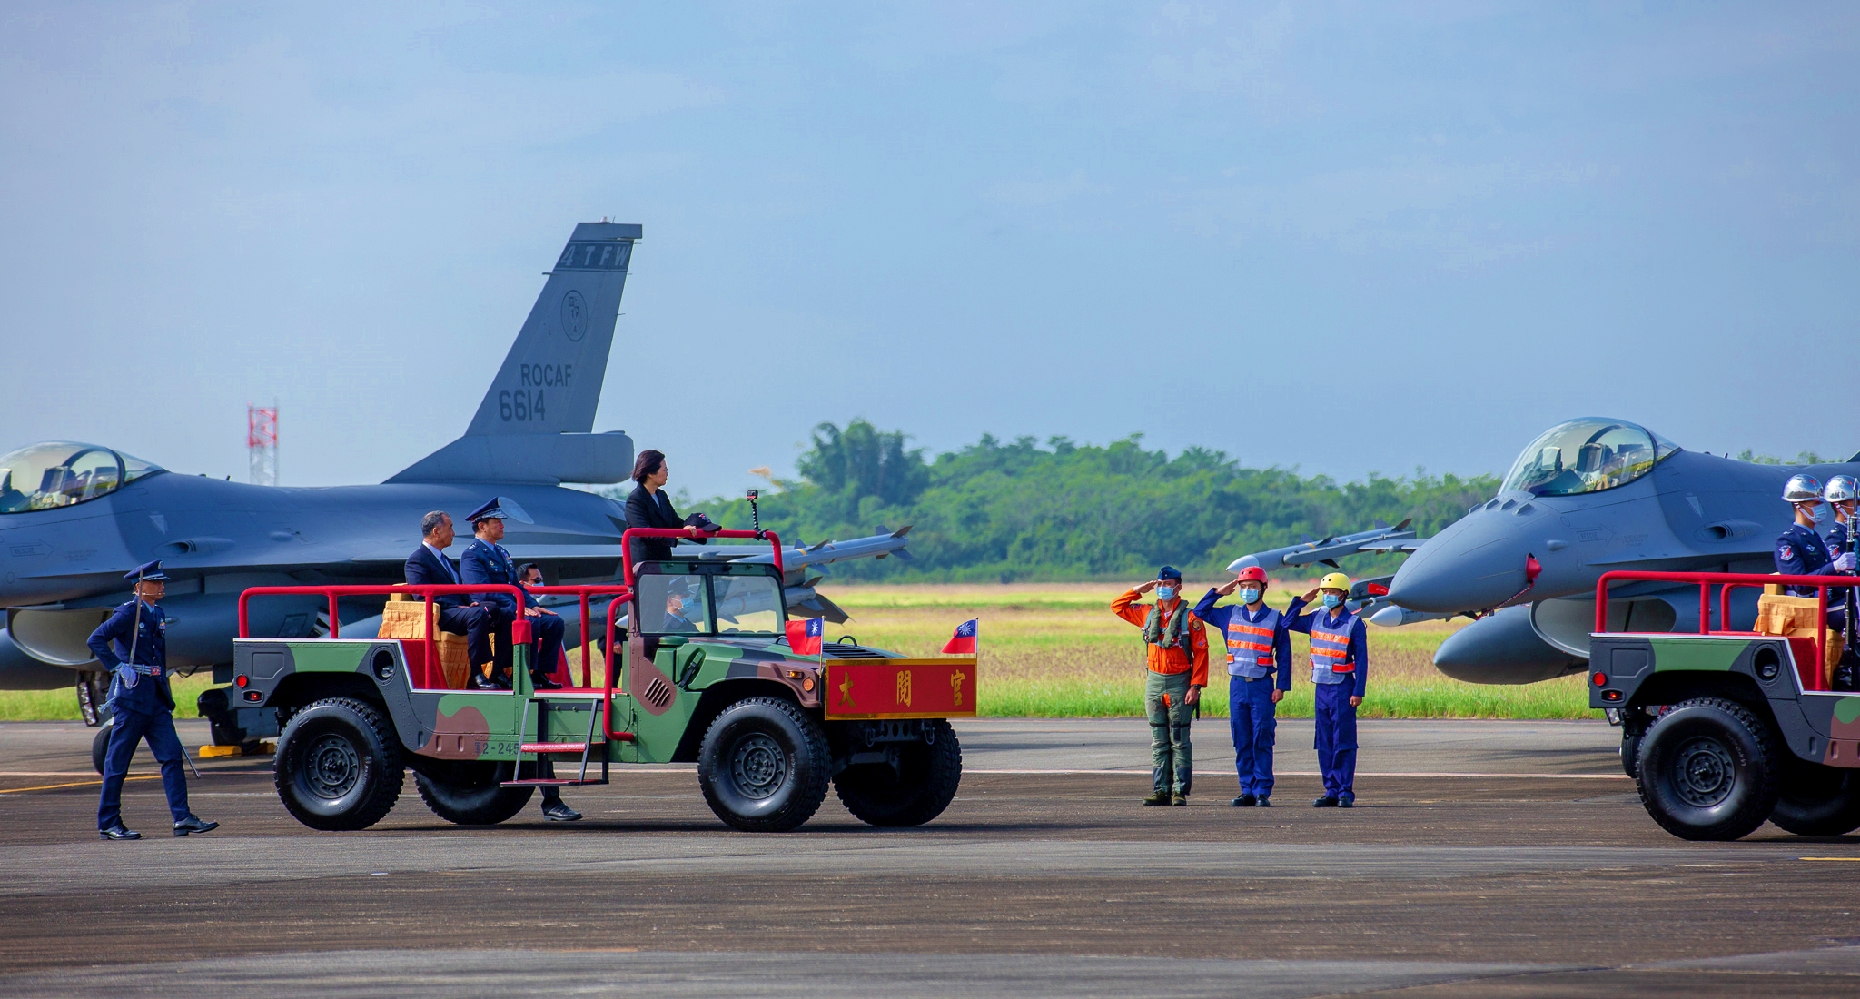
{"x":534,"y":423}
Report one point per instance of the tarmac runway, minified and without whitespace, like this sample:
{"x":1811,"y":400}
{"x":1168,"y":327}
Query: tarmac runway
{"x":1483,"y":859}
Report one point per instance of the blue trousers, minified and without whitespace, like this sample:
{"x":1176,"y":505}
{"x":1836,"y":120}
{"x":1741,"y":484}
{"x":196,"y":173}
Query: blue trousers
{"x":130,"y":728}
{"x":1336,"y":737}
{"x":1251,"y":714}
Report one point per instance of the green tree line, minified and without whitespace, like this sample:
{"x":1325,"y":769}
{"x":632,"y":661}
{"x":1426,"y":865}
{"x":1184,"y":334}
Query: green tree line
{"x":1022,"y":510}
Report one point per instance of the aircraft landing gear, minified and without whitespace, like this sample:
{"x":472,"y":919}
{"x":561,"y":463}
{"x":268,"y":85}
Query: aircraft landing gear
{"x":93,"y":688}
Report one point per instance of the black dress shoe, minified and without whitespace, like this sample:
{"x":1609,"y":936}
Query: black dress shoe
{"x":1265,"y":802}
{"x":1325,"y":802}
{"x":1245,"y":801}
{"x":119,"y":831}
{"x":541,"y":682}
{"x":487,"y":683}
{"x":555,"y":811}
{"x":194,"y":825}
{"x":1346,"y":801}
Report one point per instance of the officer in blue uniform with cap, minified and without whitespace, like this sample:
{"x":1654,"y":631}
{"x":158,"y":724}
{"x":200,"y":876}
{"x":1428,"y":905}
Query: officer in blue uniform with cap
{"x":132,"y":644}
{"x":485,"y":561}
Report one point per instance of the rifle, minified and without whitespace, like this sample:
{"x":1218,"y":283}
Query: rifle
{"x":1847,"y":671}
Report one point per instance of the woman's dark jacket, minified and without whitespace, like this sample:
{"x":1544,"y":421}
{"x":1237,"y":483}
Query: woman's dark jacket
{"x":644,"y":509}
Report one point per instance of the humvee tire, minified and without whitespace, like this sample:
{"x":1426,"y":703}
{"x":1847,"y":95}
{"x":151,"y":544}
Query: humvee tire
{"x":100,"y":745}
{"x":338,"y":766}
{"x":1817,"y":800}
{"x":1708,"y":770}
{"x":923,"y":785}
{"x":467,"y":793}
{"x":763,"y":765}
{"x":1630,"y":753}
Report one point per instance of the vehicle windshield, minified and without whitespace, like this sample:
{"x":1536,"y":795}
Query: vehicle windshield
{"x":1586,"y":456}
{"x":673,"y":605}
{"x":748,"y":605}
{"x":62,"y":473}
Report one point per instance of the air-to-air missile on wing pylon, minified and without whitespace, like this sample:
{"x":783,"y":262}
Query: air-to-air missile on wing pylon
{"x":74,"y":517}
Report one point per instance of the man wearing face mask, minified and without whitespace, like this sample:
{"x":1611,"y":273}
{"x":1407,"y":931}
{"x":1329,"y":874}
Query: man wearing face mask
{"x":1800,"y":550}
{"x":1340,"y":676}
{"x":1178,"y":665}
{"x":1258,"y":644}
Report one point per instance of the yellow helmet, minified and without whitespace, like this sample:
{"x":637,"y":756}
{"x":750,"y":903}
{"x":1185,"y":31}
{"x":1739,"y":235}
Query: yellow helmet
{"x":1335,"y":581}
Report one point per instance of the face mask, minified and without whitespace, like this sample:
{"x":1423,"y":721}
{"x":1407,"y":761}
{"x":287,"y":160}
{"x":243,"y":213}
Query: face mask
{"x":1333,"y":600}
{"x":1248,"y":596}
{"x":1165,"y":592}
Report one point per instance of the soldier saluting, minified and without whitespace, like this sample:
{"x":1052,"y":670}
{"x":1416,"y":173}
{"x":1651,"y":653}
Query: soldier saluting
{"x":133,"y":645}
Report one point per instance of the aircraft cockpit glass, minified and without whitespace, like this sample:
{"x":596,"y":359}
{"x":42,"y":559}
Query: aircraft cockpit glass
{"x":62,"y":473}
{"x":1586,"y":456}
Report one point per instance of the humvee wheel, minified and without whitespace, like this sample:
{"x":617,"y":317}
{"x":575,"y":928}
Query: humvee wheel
{"x":100,"y":745}
{"x":338,"y":766}
{"x":923,"y":784}
{"x":1817,"y":800}
{"x":763,"y":765}
{"x":1708,"y":770}
{"x":467,"y":793}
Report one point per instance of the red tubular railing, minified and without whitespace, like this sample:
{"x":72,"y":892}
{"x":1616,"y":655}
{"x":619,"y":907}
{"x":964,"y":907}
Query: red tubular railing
{"x":334,"y":592}
{"x":690,"y":534}
{"x":584,"y":592}
{"x":1726,"y":582}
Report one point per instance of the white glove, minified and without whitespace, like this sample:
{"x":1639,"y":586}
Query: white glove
{"x":1845,"y":563}
{"x":126,"y":675}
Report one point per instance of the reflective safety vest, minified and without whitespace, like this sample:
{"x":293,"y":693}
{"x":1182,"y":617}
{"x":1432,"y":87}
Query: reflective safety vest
{"x":1249,"y":645}
{"x":1330,"y":647}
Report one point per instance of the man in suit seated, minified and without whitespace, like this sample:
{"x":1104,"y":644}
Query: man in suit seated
{"x":428,"y":566}
{"x":486,"y":561}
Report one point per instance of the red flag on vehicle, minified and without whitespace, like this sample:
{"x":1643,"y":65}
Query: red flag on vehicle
{"x":963,"y":642}
{"x":804,"y":636}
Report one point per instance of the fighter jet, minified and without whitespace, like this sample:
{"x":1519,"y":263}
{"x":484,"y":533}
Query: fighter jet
{"x":74,"y":517}
{"x":1588,"y":496}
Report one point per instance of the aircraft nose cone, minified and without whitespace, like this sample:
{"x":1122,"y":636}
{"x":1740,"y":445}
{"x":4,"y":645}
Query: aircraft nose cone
{"x":1476,"y":564}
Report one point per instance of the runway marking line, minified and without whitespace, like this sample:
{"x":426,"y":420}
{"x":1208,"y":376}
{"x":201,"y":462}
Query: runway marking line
{"x":82,"y":783}
{"x":1845,"y":859}
{"x":1314,"y":773}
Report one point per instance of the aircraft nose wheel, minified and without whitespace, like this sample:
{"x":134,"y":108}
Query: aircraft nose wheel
{"x":1706,"y":773}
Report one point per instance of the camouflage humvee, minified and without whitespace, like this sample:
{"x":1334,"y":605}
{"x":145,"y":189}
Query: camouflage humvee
{"x":1726,"y":729}
{"x":706,"y":676}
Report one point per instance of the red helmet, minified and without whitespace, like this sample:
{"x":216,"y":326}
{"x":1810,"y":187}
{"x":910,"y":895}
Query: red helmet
{"x":1252,"y":573}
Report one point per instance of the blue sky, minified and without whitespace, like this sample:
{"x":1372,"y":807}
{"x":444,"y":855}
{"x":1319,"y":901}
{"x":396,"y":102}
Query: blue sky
{"x":1342,"y":237}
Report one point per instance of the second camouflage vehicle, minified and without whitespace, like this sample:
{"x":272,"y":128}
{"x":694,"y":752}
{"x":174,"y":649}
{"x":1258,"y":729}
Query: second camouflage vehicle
{"x":1729,"y":727}
{"x":707,"y":675}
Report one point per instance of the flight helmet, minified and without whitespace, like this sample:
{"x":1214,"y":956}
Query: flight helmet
{"x":1841,"y":488}
{"x":1802,"y":488}
{"x":1334,"y":581}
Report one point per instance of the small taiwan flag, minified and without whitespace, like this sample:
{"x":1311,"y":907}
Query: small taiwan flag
{"x":963,"y":643}
{"x":804,"y":636}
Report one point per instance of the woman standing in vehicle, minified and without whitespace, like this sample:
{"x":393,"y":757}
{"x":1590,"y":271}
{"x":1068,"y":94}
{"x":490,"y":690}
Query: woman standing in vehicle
{"x":648,"y":505}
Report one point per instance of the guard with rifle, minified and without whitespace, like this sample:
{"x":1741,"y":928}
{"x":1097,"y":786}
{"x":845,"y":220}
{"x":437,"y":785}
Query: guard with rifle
{"x":132,"y":645}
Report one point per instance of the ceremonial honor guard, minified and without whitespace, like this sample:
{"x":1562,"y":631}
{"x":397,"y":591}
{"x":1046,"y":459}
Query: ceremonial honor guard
{"x":132,"y":645}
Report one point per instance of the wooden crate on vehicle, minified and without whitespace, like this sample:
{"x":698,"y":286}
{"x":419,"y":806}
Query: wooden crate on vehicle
{"x":401,"y":618}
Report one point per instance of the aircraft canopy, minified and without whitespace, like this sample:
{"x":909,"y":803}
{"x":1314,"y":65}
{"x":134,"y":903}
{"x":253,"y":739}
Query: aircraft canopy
{"x":52,"y":474}
{"x":1585,"y":456}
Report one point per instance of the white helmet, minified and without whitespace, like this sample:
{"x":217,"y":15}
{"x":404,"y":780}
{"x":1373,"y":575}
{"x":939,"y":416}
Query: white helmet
{"x":1803,"y":488}
{"x":1840,"y":489}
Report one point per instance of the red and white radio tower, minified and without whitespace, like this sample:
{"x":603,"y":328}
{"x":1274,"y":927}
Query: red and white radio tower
{"x":261,"y":441}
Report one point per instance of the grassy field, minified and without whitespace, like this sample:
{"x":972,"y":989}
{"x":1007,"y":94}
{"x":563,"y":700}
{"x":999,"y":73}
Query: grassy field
{"x":1055,"y":650}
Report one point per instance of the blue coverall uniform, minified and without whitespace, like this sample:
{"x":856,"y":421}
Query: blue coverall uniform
{"x":1339,"y":671}
{"x":143,"y":705}
{"x":1259,"y":646}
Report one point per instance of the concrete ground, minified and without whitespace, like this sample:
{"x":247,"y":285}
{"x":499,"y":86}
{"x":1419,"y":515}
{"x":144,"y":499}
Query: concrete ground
{"x":1483,"y":859}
